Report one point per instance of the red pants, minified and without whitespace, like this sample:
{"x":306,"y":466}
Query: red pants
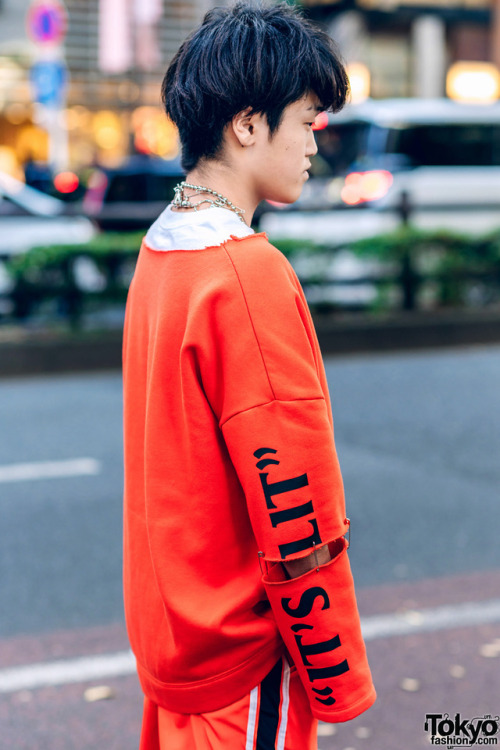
{"x":275,"y":715}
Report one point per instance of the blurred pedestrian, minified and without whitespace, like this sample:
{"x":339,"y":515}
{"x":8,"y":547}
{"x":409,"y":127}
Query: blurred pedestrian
{"x":238,"y":593}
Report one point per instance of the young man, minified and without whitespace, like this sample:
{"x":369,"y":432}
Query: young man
{"x":238,"y":594}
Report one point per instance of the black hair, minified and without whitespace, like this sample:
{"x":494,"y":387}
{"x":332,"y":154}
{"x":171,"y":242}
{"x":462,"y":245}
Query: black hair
{"x":244,"y":56}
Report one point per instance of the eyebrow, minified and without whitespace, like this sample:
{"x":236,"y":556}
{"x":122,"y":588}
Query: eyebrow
{"x":317,"y":107}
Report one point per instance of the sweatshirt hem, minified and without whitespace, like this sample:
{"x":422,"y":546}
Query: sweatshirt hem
{"x":210,"y":694}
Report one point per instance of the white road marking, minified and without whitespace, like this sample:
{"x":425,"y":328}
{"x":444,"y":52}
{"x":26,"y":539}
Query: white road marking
{"x":121,"y":664}
{"x":427,"y":620}
{"x":74,"y":467}
{"x":64,"y":672}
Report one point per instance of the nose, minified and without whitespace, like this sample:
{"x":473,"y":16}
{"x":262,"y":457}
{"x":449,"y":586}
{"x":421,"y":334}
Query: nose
{"x":312,"y":147}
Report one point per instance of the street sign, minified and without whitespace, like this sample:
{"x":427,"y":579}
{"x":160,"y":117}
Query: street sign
{"x":48,"y":78}
{"x":47,"y":21}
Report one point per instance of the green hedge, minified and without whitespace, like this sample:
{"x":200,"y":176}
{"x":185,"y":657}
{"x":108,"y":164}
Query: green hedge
{"x":99,"y":248}
{"x":448,"y":250}
{"x":451,"y":262}
{"x":451,"y":250}
{"x":446,"y":268}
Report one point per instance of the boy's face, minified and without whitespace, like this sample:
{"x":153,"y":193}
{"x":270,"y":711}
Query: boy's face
{"x":279,"y":164}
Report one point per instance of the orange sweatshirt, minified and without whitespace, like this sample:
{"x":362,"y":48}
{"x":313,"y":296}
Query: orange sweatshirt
{"x":229,"y":452}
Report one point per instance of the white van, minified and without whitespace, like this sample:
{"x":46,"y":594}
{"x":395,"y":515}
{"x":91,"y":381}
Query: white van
{"x":444,"y":155}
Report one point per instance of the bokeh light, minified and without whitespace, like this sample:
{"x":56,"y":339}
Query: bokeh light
{"x":473,"y":82}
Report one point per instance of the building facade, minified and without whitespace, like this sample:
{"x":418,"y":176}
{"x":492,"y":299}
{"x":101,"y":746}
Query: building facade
{"x":102,"y":116}
{"x":409,"y":45}
{"x":110,"y":107}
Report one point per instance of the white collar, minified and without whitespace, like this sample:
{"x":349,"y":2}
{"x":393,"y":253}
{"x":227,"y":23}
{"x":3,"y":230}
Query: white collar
{"x":194,"y":230}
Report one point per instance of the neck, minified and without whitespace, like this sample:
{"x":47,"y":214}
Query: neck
{"x":216,"y":176}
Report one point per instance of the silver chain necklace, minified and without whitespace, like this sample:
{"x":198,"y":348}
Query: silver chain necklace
{"x":183,"y":201}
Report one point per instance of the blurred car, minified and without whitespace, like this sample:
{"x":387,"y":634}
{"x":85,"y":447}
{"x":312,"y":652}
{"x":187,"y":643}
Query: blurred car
{"x":440,"y":156}
{"x":29,"y":217}
{"x":132,"y":196}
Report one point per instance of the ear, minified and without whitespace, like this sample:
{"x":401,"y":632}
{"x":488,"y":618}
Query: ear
{"x":244,"y":126}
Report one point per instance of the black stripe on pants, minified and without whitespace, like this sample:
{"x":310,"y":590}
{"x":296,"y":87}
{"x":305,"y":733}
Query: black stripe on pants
{"x":269,"y":710}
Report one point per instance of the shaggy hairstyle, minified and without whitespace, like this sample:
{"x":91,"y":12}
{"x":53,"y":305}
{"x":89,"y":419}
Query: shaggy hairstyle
{"x":248,"y":56}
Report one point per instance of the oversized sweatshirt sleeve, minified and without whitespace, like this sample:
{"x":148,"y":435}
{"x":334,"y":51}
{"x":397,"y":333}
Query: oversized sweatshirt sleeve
{"x":272,"y":402}
{"x":273,"y":407}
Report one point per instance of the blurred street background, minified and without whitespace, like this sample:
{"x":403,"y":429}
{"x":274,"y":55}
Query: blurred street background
{"x":396,"y":240}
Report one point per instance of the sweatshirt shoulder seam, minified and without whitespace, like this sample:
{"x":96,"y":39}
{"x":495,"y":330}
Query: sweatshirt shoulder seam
{"x":271,"y":401}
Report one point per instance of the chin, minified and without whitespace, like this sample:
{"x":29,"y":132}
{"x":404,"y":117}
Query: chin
{"x":288,"y":197}
{"x":296,"y":197}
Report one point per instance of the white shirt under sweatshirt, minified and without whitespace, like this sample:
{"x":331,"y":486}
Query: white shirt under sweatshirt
{"x":193,"y":230}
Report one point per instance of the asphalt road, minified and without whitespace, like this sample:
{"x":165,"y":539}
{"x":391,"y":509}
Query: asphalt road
{"x":60,"y":545}
{"x":418,"y":442}
{"x":418,"y":438}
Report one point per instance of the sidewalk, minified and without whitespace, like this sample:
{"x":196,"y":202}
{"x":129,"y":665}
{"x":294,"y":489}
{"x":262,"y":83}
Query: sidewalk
{"x":432,"y":673}
{"x":452,"y":670}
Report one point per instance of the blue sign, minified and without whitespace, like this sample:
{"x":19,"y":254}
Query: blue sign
{"x":48,"y":79}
